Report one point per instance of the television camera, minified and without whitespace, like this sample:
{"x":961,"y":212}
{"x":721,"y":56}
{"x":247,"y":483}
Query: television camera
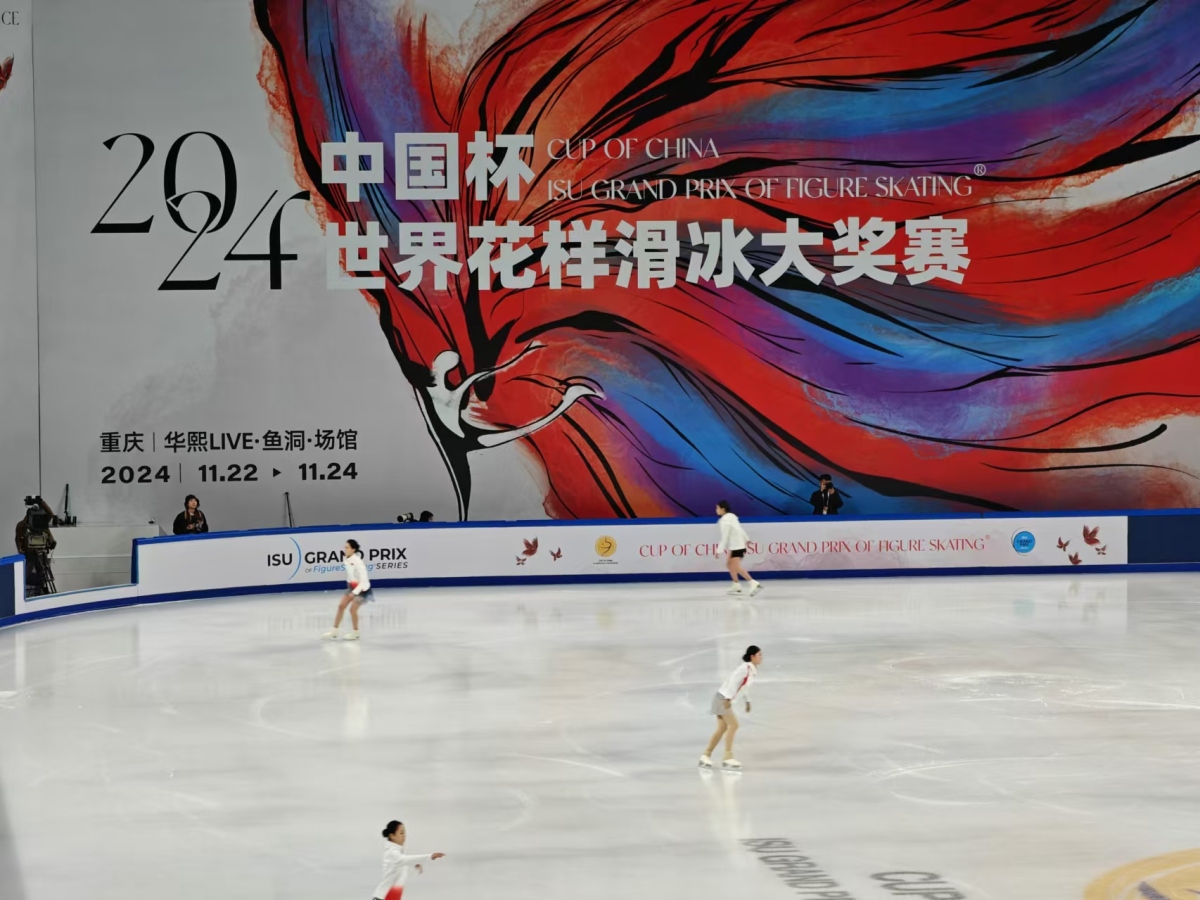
{"x":36,"y":543}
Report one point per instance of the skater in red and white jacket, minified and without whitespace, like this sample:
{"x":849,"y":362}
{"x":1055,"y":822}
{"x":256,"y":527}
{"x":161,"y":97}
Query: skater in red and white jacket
{"x":735,"y":688}
{"x":396,"y":862}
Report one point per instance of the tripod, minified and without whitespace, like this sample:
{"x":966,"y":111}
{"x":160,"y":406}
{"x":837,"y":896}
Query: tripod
{"x":39,"y":577}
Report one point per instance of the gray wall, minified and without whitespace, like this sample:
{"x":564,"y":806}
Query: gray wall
{"x":120,"y":355}
{"x":18,"y":276}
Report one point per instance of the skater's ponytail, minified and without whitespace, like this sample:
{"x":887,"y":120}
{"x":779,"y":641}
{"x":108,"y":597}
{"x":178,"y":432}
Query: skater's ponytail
{"x":750,"y":653}
{"x":391,"y":829}
{"x":354,"y":546}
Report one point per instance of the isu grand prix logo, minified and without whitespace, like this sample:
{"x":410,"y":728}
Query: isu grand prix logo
{"x":1024,"y":542}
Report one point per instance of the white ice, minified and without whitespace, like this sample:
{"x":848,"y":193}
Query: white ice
{"x":1017,"y":737}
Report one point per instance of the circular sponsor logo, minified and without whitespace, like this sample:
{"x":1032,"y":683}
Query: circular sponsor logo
{"x":606,"y":546}
{"x":1024,"y":541}
{"x":1167,"y":877}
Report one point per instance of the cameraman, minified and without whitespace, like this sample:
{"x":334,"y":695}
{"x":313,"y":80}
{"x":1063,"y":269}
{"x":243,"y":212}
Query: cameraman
{"x":23,"y":528}
{"x":37,"y":576}
{"x":826,"y":501}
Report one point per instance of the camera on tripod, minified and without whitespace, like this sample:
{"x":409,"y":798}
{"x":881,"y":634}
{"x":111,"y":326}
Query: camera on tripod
{"x":35,"y":542}
{"x":37,"y":523}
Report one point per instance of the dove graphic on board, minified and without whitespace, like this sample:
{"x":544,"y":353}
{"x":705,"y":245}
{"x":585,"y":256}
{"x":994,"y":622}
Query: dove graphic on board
{"x":5,"y":72}
{"x":1091,"y":535}
{"x":556,"y":555}
{"x":1062,"y":545}
{"x":520,"y":560}
{"x":531,"y":548}
{"x":1074,"y":558}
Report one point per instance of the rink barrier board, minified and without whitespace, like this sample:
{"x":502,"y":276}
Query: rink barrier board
{"x":502,"y":552}
{"x":11,"y":568}
{"x":1158,"y":541}
{"x":534,"y":524}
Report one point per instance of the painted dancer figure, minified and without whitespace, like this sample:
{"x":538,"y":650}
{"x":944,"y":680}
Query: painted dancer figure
{"x":357,"y":593}
{"x":733,"y":544}
{"x":396,"y":862}
{"x":736,"y":687}
{"x":451,"y":405}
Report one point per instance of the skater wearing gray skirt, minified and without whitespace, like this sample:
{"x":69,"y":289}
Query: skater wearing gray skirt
{"x":736,"y":687}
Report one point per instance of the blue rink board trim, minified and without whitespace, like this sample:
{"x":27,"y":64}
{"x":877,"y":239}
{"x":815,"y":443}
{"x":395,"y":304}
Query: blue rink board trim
{"x":591,"y":580}
{"x":8,"y":594}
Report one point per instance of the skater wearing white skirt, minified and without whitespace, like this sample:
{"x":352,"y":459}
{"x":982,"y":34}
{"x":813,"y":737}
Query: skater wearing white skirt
{"x":396,"y":863}
{"x":733,"y":545}
{"x":358,"y":591}
{"x":735,"y":688}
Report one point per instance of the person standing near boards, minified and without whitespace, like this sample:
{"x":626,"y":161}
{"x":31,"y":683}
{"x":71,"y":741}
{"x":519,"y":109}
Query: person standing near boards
{"x":396,"y":862}
{"x":733,"y":545}
{"x":191,"y":520}
{"x":736,"y":688}
{"x":825,"y":500}
{"x":358,"y":591}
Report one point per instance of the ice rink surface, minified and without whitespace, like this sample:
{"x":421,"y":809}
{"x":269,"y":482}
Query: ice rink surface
{"x":1009,"y":738}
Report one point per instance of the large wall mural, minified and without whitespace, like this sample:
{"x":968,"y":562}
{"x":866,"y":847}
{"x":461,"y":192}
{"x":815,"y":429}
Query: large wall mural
{"x":946,"y":253}
{"x":334,"y":261}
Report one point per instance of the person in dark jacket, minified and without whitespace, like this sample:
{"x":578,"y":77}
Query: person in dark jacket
{"x":191,"y":520}
{"x":826,"y":501}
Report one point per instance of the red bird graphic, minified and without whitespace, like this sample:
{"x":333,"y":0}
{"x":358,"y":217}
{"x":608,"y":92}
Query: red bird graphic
{"x":1074,"y":558}
{"x":520,"y":560}
{"x":1090,"y":535}
{"x":530,"y":548}
{"x":556,"y":554}
{"x":1062,"y":545}
{"x":1100,"y":550}
{"x":5,"y":72}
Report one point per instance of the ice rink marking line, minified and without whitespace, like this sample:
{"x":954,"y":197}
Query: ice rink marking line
{"x":571,"y":762}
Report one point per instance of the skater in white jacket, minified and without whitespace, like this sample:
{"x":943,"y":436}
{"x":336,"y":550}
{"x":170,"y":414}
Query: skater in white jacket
{"x":396,"y":862}
{"x":358,"y":591}
{"x":736,"y":688}
{"x":733,"y":545}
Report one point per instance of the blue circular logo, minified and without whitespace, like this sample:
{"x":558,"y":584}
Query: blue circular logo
{"x":1024,"y":542}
